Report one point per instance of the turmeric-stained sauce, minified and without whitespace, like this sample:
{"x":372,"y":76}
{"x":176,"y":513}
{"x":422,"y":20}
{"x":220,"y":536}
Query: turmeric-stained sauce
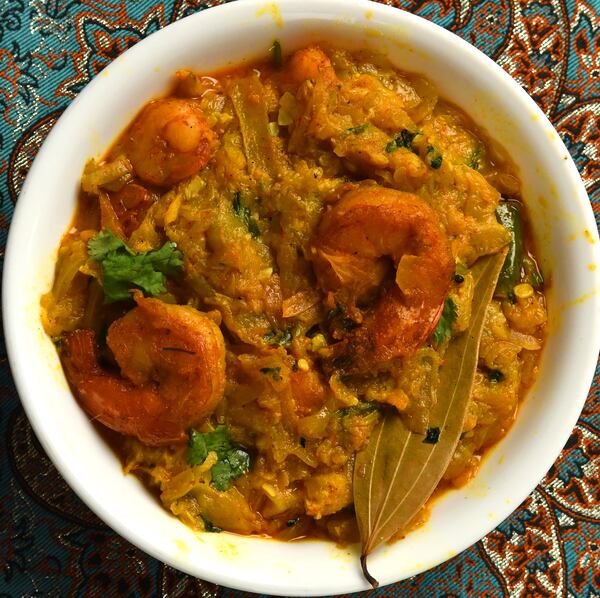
{"x":272,"y":259}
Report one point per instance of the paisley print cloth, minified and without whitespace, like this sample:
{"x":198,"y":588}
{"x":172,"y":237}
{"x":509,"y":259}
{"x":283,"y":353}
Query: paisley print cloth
{"x":51,"y":544}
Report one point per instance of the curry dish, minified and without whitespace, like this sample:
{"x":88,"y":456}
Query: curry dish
{"x":272,"y":260}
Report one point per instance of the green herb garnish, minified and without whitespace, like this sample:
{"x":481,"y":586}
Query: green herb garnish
{"x":495,"y":376}
{"x":434,"y":157}
{"x":277,"y":54}
{"x":403,"y":139}
{"x":275,"y":373}
{"x":209,"y":527}
{"x":443,"y":330}
{"x":123,"y":269}
{"x":233,"y":461}
{"x":283,"y":338}
{"x":358,"y":130}
{"x":234,"y":465}
{"x":245,"y":215}
{"x":432,"y":436}
{"x":474,"y":160}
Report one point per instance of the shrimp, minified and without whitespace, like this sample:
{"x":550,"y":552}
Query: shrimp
{"x":366,"y":226}
{"x":310,"y":63}
{"x":172,"y":361}
{"x":169,"y":141}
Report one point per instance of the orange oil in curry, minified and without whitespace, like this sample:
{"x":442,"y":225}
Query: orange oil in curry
{"x":88,"y":216}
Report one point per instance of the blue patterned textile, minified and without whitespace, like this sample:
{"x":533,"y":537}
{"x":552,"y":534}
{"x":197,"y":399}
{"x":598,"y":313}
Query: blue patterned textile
{"x":51,"y":544}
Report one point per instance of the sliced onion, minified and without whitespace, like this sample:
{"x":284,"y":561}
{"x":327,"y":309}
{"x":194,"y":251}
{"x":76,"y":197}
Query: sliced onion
{"x":526,"y":341}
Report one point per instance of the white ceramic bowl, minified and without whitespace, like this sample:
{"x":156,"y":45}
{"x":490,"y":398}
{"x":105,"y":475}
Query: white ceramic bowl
{"x":564,"y":228}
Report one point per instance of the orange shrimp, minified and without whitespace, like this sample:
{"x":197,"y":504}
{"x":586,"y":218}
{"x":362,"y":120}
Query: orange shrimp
{"x":310,"y":63}
{"x":172,"y":361}
{"x":169,"y":141}
{"x":355,"y":237}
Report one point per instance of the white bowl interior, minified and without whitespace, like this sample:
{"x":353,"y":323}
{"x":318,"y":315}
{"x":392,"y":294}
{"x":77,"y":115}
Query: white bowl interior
{"x":560,"y":212}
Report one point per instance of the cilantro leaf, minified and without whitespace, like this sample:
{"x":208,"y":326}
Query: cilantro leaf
{"x":474,"y":159}
{"x":406,"y":138}
{"x":221,"y":476}
{"x":218,"y":441}
{"x":235,"y":464}
{"x":434,"y":157}
{"x":283,"y":338}
{"x":391,"y":146}
{"x":403,"y":139}
{"x":123,"y":269}
{"x":197,"y":451}
{"x":443,"y":330}
{"x":239,"y":462}
{"x":103,"y":243}
{"x":245,"y":215}
{"x":358,"y":129}
{"x":167,"y":259}
{"x":233,"y":461}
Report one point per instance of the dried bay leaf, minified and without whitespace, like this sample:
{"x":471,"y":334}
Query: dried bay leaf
{"x":398,"y":470}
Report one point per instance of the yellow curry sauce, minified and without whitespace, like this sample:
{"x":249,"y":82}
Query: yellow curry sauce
{"x":300,"y":236}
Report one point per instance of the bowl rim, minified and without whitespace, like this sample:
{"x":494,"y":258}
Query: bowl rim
{"x":10,"y":303}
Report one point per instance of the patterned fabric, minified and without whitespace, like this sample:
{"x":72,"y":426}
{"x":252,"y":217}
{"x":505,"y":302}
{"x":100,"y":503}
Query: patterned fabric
{"x":51,"y":544}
